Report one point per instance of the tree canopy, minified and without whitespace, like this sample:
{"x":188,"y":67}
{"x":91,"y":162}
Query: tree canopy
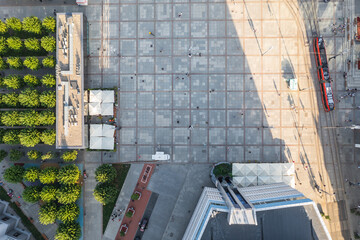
{"x":29,"y":98}
{"x":31,"y":80}
{"x":68,"y":193}
{"x":48,"y":156}
{"x":14,"y":174}
{"x":14,"y":24}
{"x":13,"y":81}
{"x":69,"y":156}
{"x":16,"y":155}
{"x":49,"y":24}
{"x":105,"y":193}
{"x":3,"y":154}
{"x":11,"y":137}
{"x":105,"y":173}
{"x":32,"y":44}
{"x":32,"y":25}
{"x":31,"y":194}
{"x":48,"y":213}
{"x":31,"y":174}
{"x":48,"y":193}
{"x":48,"y":175}
{"x":32,"y":63}
{"x":48,"y":137}
{"x":15,"y":63}
{"x":48,"y":43}
{"x":48,"y":80}
{"x":34,"y":154}
{"x":49,"y":62}
{"x":3,"y":27}
{"x":29,"y":137}
{"x":68,"y":174}
{"x":15,"y":43}
{"x":10,"y":99}
{"x":3,"y":64}
{"x":68,"y":231}
{"x":68,"y":212}
{"x":48,"y":99}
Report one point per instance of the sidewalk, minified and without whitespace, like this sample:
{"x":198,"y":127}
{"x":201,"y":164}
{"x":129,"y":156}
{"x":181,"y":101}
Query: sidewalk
{"x":123,"y":200}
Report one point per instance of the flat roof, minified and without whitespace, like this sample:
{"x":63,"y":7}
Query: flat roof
{"x":69,"y":81}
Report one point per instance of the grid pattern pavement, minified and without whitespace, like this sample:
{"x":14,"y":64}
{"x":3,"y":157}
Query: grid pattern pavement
{"x":228,"y":101}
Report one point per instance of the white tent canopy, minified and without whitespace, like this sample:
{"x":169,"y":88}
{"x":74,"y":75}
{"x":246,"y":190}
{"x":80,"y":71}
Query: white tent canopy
{"x":107,"y":109}
{"x":101,"y":102}
{"x":108,"y":130}
{"x":108,"y":96}
{"x":94,"y":108}
{"x":95,"y":96}
{"x":102,"y":136}
{"x":95,"y":130}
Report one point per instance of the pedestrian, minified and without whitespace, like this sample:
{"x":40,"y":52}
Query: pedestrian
{"x":189,"y":55}
{"x":180,"y":14}
{"x":348,"y":120}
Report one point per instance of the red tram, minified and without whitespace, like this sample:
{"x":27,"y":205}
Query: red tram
{"x":323,"y":72}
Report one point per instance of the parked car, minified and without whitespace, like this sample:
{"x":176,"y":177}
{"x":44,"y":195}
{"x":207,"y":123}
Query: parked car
{"x":143,"y":224}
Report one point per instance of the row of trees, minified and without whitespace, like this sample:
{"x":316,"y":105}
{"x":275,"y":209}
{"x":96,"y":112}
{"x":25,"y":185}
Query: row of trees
{"x":16,"y":81}
{"x":29,"y":98}
{"x":29,"y":137}
{"x":32,"y":63}
{"x":105,"y":191}
{"x":29,"y":118}
{"x":31,"y":25}
{"x":15,"y":46}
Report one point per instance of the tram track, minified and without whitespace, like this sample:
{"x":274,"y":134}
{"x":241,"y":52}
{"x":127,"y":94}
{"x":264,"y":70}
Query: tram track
{"x":330,"y":121}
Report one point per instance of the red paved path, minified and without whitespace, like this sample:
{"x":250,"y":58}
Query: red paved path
{"x":138,"y":205}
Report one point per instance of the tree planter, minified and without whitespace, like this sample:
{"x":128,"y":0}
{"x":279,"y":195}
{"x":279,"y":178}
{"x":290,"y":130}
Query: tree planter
{"x":123,"y":230}
{"x":136,"y":195}
{"x":130,"y":212}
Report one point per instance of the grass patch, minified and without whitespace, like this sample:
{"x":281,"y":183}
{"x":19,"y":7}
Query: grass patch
{"x":223,"y":169}
{"x":24,"y":219}
{"x":122,"y":170}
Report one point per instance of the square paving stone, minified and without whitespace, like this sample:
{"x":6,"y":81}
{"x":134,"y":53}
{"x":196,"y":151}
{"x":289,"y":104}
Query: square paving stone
{"x":199,"y":136}
{"x":199,"y":154}
{"x":217,"y":154}
{"x":163,"y":118}
{"x":145,"y":100}
{"x":127,"y":118}
{"x":181,"y":154}
{"x":217,"y":136}
{"x":163,"y":100}
{"x":181,"y":99}
{"x":199,"y":83}
{"x":146,"y":118}
{"x":181,"y":118}
{"x":181,"y":135}
{"x":145,"y":83}
{"x":127,"y":136}
{"x":199,"y":100}
{"x":217,"y":100}
{"x":163,"y":82}
{"x":235,"y":154}
{"x":199,"y":118}
{"x":145,"y":135}
{"x":217,"y":118}
{"x":235,"y":118}
{"x":163,"y":135}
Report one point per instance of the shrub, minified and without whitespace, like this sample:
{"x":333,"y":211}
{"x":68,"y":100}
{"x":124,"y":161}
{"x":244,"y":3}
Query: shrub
{"x":14,"y":62}
{"x":48,"y":175}
{"x":3,"y":64}
{"x":105,"y":173}
{"x":31,"y":80}
{"x":32,"y":24}
{"x":68,"y":174}
{"x":48,"y":193}
{"x":47,"y":117}
{"x":68,"y":231}
{"x":49,"y":24}
{"x":32,"y":63}
{"x":3,"y":45}
{"x":105,"y":193}
{"x":14,"y":24}
{"x":29,"y":118}
{"x":10,"y":99}
{"x":34,"y":154}
{"x":3,"y":27}
{"x":48,"y":43}
{"x":13,"y":81}
{"x":10,"y":118}
{"x":15,"y":155}
{"x":29,"y":98}
{"x":32,"y":44}
{"x":68,"y":193}
{"x":29,"y":137}
{"x":14,"y":174}
{"x":11,"y":137}
{"x":49,"y":62}
{"x":68,"y":212}
{"x":48,"y":80}
{"x":69,"y":156}
{"x":15,"y":43}
{"x":31,"y":194}
{"x":47,"y":213}
{"x":31,"y":174}
{"x":48,"y":137}
{"x":3,"y":154}
{"x":48,"y":156}
{"x":48,"y":99}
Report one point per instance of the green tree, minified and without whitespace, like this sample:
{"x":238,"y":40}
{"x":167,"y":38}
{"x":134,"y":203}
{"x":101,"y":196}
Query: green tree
{"x":29,"y":98}
{"x":10,"y":118}
{"x":29,"y":137}
{"x":34,"y":154}
{"x":49,"y":62}
{"x":68,"y":212}
{"x":105,"y":193}
{"x":14,"y":174}
{"x":3,"y":154}
{"x":32,"y":44}
{"x":15,"y":62}
{"x":3,"y":46}
{"x":48,"y":156}
{"x":48,"y":43}
{"x":105,"y":173}
{"x":31,"y":194}
{"x":3,"y":27}
{"x":16,"y":155}
{"x":47,"y":118}
{"x":48,"y":213}
{"x":68,"y":231}
{"x":31,"y":174}
{"x":69,"y":156}
{"x":32,"y":63}
{"x":48,"y":193}
{"x":48,"y":137}
{"x":68,"y":174}
{"x":48,"y":99}
{"x":31,"y":80}
{"x":67,"y":194}
{"x":14,"y":24}
{"x":29,"y":118}
{"x":48,"y":175}
{"x":11,"y":137}
{"x":13,"y":81}
{"x":15,"y":43}
{"x":48,"y":80}
{"x":3,"y":64}
{"x":32,"y":25}
{"x":10,"y":99}
{"x":49,"y":24}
